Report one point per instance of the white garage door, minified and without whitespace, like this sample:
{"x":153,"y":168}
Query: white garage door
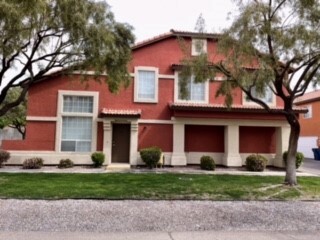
{"x":306,"y":144}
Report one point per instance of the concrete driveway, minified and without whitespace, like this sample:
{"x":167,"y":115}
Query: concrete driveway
{"x":310,"y":166}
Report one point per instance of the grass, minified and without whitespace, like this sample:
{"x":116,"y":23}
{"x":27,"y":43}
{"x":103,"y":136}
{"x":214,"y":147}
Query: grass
{"x":154,"y":186}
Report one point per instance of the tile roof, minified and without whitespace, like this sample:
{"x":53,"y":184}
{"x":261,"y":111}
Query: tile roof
{"x":233,"y":108}
{"x":174,"y":33}
{"x":121,"y":112}
{"x":195,"y":34}
{"x":308,"y":97}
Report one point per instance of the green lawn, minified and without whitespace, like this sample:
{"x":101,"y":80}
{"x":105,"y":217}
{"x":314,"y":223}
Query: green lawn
{"x":154,"y":186}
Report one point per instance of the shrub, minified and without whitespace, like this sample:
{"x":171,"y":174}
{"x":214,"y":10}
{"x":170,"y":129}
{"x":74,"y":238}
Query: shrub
{"x":299,"y":158}
{"x":32,"y":163}
{"x":256,"y":163}
{"x":97,"y":159}
{"x":207,"y":163}
{"x":65,"y":163}
{"x":151,"y":156}
{"x":4,"y":156}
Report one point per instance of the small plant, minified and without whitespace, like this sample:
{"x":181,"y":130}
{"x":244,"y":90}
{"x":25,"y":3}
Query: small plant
{"x":32,"y":163}
{"x":65,"y":163}
{"x":299,"y":158}
{"x":207,"y":163}
{"x":256,"y":163}
{"x":151,"y":156}
{"x":97,"y":159}
{"x":4,"y":156}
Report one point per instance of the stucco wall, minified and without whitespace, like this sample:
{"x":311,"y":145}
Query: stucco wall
{"x":311,"y":126}
{"x":257,"y":139}
{"x":204,"y":138}
{"x":159,"y":135}
{"x":40,"y":137}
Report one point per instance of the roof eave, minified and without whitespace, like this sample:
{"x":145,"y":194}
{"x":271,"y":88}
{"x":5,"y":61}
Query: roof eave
{"x":174,"y":33}
{"x":231,"y":109}
{"x":304,"y":101}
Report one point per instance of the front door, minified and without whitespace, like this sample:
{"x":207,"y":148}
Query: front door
{"x":120,"y":143}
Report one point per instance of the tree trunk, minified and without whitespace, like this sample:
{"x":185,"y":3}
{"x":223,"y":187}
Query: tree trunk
{"x":291,"y":178}
{"x":22,"y":131}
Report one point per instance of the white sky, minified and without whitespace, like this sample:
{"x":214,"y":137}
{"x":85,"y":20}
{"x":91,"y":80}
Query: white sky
{"x":153,"y":17}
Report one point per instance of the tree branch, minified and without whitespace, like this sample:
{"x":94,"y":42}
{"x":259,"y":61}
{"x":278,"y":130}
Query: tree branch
{"x":304,"y":87}
{"x":303,"y":75}
{"x":277,"y":8}
{"x":11,"y":105}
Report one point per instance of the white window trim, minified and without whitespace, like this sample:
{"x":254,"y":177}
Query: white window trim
{"x":194,"y":51}
{"x":176,"y":91}
{"x":273,"y":103}
{"x":60,"y":114}
{"x":308,"y":115}
{"x":136,"y":85}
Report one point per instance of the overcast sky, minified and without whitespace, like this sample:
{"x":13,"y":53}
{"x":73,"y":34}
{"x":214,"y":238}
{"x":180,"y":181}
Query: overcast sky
{"x":153,"y":17}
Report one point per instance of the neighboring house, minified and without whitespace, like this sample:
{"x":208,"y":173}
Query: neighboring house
{"x":310,"y":122}
{"x":67,"y":119}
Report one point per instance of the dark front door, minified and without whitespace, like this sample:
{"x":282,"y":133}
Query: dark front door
{"x":120,"y":143}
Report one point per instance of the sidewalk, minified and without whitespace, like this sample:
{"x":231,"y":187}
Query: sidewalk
{"x":205,"y":235}
{"x":309,"y":168}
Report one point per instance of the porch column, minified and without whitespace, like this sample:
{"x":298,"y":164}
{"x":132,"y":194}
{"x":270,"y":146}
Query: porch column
{"x":178,"y":156}
{"x":232,"y":156}
{"x":107,"y":140}
{"x":134,"y":143}
{"x":282,"y":144}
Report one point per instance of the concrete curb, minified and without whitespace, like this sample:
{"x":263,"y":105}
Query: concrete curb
{"x":201,"y":235}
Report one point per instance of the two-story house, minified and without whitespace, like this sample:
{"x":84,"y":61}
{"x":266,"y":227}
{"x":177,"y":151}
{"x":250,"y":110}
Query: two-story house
{"x":68,"y":119}
{"x":310,"y":122}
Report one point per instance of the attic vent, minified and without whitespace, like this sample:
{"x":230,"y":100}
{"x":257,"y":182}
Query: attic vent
{"x":198,"y":46}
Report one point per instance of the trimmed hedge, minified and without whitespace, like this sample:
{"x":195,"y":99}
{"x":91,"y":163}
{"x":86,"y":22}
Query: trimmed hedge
{"x":207,"y":163}
{"x":151,"y":156}
{"x":33,"y":163}
{"x":256,"y":163}
{"x":4,"y":156}
{"x":299,"y":158}
{"x":97,"y":159}
{"x":65,"y":163}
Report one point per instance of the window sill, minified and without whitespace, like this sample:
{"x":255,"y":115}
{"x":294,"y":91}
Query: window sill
{"x":145,"y":101}
{"x":191,"y":101}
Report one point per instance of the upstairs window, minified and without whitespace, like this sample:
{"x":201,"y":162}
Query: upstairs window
{"x":196,"y":92}
{"x":146,"y":84}
{"x":267,"y":97}
{"x":198,"y":46}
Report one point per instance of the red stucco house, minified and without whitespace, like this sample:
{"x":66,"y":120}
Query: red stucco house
{"x":310,"y":122}
{"x":67,"y":119}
